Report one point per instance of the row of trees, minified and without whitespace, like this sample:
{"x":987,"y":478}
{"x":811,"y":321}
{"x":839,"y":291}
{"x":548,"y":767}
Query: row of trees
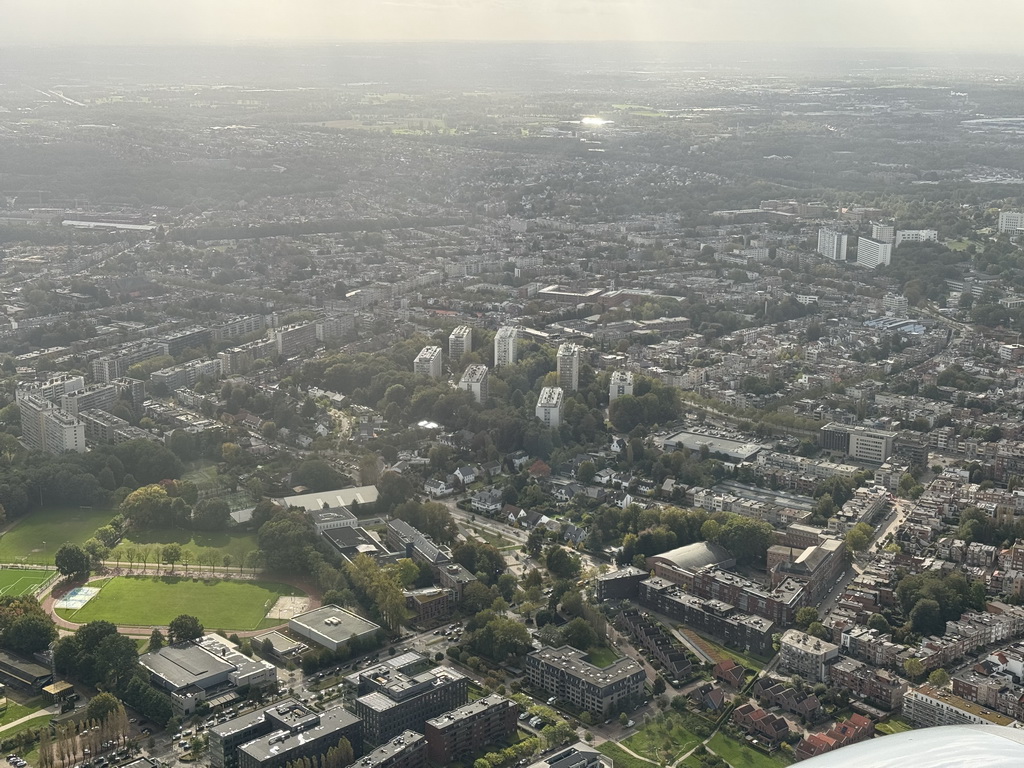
{"x":105,"y":721}
{"x":76,"y":561}
{"x":338,"y":756}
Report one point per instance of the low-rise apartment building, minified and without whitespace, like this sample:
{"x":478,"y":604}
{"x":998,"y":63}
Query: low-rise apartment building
{"x":567,"y":674}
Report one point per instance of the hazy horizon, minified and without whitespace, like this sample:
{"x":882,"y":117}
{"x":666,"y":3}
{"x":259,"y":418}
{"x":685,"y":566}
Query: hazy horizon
{"x":987,"y":26}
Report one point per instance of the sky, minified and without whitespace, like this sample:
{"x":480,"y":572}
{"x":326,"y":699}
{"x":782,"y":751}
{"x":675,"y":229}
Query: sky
{"x":983,"y":25}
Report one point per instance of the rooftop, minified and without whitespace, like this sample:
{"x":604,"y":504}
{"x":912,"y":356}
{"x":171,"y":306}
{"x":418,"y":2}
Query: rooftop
{"x":962,"y":704}
{"x":185,"y":664}
{"x":342,"y":497}
{"x":550,"y":397}
{"x":334,"y":622}
{"x":469,"y":710}
{"x":404,"y":740}
{"x":300,"y":726}
{"x":577,"y":663}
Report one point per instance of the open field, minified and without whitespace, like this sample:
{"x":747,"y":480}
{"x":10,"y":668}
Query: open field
{"x":16,"y":581}
{"x":621,"y":757}
{"x":155,"y":601}
{"x":664,"y":740}
{"x":201,"y":543}
{"x":36,"y":537}
{"x":739,"y":755}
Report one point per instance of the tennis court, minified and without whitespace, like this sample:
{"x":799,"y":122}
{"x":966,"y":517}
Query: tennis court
{"x":76,"y":598}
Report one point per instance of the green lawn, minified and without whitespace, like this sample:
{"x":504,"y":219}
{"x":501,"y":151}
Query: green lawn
{"x":16,"y":581}
{"x":35,"y":722}
{"x":739,"y":755}
{"x":601,"y":656}
{"x":499,"y":542}
{"x":664,"y":740}
{"x":748,"y":660}
{"x":621,"y":757}
{"x":893,"y":725}
{"x":16,"y":711}
{"x":219,"y":544}
{"x":36,"y":537}
{"x":152,"y":600}
{"x":203,"y":474}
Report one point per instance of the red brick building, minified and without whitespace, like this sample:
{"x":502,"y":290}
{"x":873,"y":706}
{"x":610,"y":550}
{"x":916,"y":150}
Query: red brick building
{"x":463,"y":733}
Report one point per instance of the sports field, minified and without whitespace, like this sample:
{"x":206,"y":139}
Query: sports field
{"x":156,"y":600}
{"x":36,"y":537}
{"x":15,"y":581}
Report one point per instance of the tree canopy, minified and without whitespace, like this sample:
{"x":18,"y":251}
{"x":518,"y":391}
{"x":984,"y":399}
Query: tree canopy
{"x":183,"y":628}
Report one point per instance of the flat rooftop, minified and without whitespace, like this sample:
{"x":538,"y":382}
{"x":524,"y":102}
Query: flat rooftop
{"x":550,"y":397}
{"x":967,"y":706}
{"x":693,"y":441}
{"x":383,"y":753}
{"x":341,"y":497}
{"x":572,"y":661}
{"x":333,"y":622}
{"x":283,"y":741}
{"x":185,"y":665}
{"x":468,"y":710}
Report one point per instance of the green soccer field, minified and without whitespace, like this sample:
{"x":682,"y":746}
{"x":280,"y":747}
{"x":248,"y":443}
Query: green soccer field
{"x":15,"y":581}
{"x":155,"y":601}
{"x":36,"y":537}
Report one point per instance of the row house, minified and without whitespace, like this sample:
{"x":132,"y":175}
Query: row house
{"x":772,"y":693}
{"x":857,"y":728}
{"x":660,"y":644}
{"x":761,"y":725}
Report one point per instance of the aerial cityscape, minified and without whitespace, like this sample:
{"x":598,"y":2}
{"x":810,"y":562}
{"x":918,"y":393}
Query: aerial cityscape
{"x":492,"y":404}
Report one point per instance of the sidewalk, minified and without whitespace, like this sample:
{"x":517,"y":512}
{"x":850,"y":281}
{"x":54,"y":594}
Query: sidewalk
{"x":51,"y":711}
